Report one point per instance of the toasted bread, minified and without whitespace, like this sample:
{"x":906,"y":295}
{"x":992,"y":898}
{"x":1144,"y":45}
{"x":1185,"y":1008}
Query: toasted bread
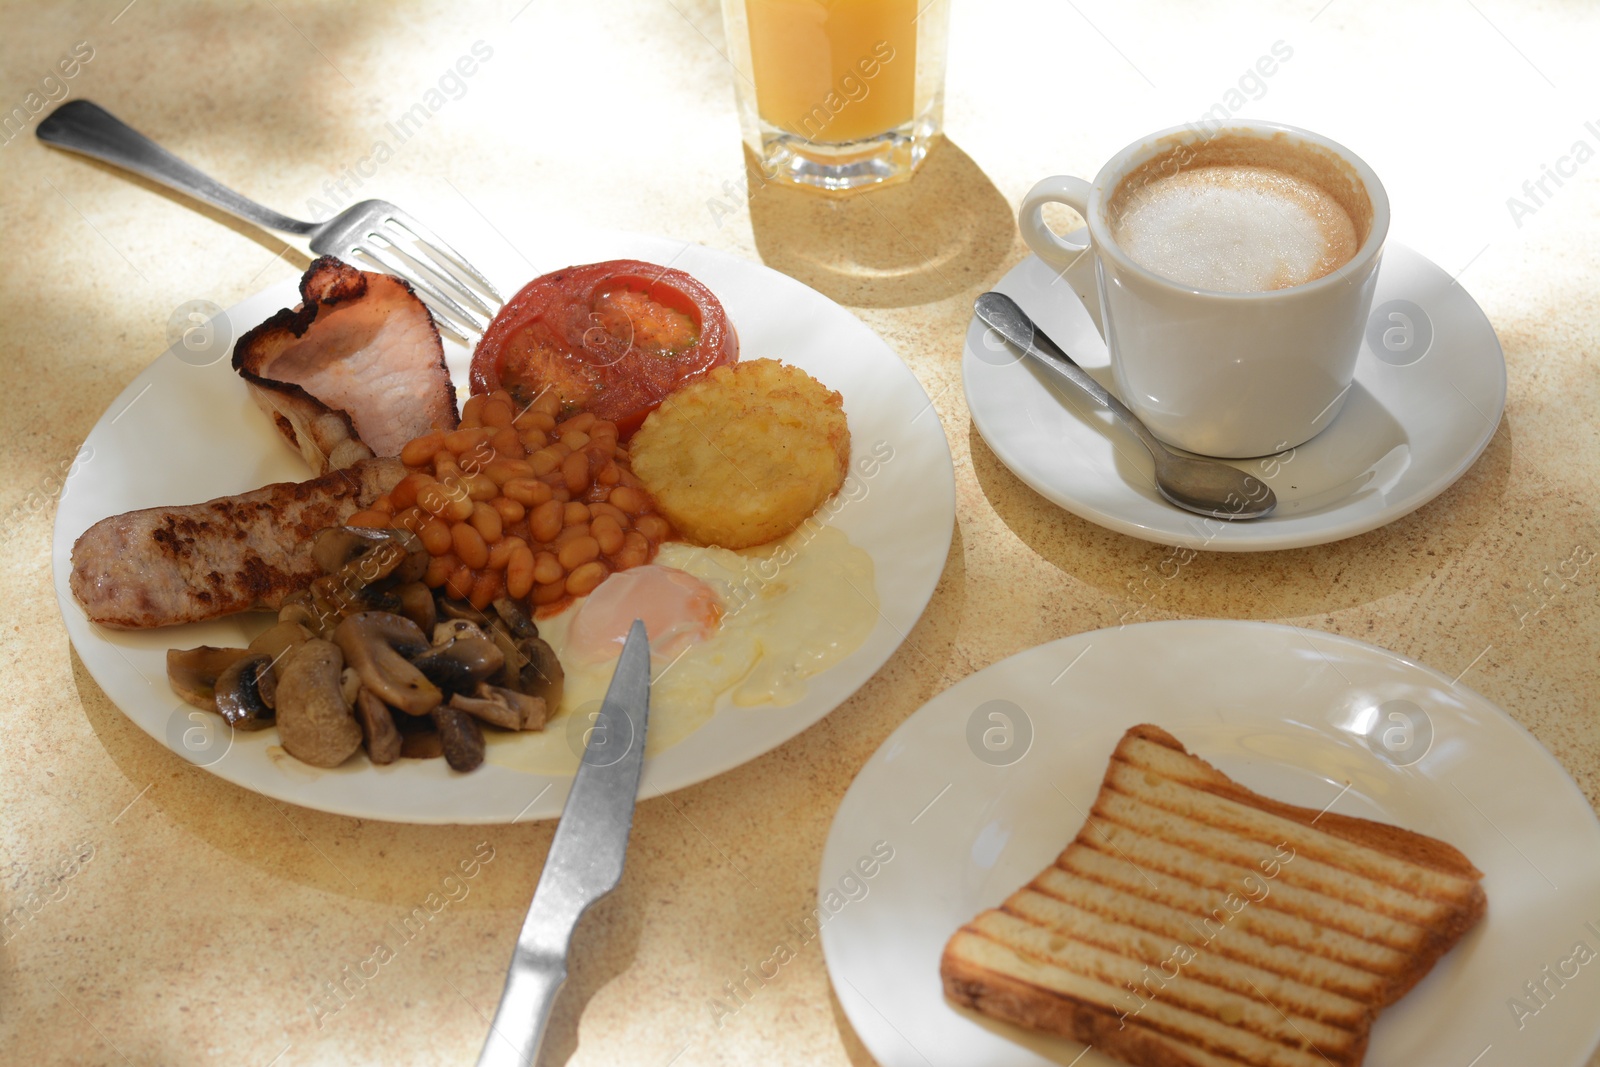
{"x":1194,"y":923}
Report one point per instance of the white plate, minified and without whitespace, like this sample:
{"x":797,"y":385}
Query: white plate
{"x":1284,"y":711}
{"x":182,"y":433}
{"x":1412,"y":424}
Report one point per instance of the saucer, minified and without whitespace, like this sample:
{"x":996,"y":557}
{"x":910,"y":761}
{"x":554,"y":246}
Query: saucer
{"x":1429,"y":390}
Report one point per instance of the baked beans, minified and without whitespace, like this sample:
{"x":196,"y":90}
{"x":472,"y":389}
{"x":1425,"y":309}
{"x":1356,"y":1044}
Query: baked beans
{"x":527,"y":504}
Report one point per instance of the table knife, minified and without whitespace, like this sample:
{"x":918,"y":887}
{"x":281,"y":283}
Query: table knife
{"x":585,"y":860}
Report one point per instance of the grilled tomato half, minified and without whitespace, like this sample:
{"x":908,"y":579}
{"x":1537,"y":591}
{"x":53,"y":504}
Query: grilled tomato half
{"x":613,"y":338}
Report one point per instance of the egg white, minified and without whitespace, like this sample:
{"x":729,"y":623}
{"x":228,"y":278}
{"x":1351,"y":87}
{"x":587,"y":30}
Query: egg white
{"x":790,"y":610}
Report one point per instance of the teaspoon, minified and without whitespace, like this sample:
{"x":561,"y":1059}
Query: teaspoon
{"x":1203,"y":486}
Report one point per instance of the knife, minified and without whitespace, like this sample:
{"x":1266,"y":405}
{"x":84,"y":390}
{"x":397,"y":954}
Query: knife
{"x":585,"y":860}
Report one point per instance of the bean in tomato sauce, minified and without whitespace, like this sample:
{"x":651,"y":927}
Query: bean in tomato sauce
{"x":522,"y":501}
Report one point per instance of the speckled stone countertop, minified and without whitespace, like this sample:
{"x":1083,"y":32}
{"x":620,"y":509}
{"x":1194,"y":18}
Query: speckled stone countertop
{"x":169,"y":917}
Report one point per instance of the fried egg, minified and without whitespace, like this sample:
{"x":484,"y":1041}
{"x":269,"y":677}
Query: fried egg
{"x":744,"y":629}
{"x":678,"y":609}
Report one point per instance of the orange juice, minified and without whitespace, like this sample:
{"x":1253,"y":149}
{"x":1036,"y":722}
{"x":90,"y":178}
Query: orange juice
{"x":834,"y":71}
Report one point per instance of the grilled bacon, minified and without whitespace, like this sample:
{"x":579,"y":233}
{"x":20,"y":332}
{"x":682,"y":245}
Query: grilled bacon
{"x":355,"y":371}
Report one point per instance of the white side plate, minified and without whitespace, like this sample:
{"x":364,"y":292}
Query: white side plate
{"x":1294,"y":714}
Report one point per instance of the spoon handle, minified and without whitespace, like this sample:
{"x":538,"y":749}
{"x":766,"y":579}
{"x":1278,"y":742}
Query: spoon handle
{"x":1007,"y":317}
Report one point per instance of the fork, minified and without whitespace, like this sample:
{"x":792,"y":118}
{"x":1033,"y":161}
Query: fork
{"x":375,"y":230}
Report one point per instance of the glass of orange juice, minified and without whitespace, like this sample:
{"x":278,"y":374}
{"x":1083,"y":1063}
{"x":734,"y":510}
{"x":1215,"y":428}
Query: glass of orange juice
{"x":838,"y":94}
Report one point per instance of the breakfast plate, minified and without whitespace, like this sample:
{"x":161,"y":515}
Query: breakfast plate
{"x":185,"y":431}
{"x":1429,"y":390}
{"x":982,"y":787}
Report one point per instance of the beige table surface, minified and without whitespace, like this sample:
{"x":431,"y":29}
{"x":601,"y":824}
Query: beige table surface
{"x":159,"y":915}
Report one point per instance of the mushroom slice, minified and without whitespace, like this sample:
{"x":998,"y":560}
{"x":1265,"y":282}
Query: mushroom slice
{"x":298,"y":608}
{"x":239,"y":695}
{"x":531,"y":667}
{"x":461,"y":736}
{"x":193,"y":672}
{"x":350,"y":685}
{"x":415,"y":565}
{"x":503,"y":707}
{"x":335,"y":546}
{"x":314,"y":723}
{"x":275,"y":642}
{"x":377,"y":725}
{"x":267,"y":686}
{"x":460,"y":609}
{"x":369,"y":555}
{"x":361,"y":564}
{"x":461,"y":657}
{"x":515,"y":619}
{"x":369,"y":598}
{"x":448,"y":630}
{"x":542,"y":675}
{"x":377,"y":644}
{"x":416,"y":604}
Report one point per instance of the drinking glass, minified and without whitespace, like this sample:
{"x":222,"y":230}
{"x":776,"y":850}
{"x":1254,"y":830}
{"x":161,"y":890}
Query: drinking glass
{"x":838,"y":94}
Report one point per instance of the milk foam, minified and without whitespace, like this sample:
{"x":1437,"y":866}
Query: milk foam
{"x":1234,"y":228}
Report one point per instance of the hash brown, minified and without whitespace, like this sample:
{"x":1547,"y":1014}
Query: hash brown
{"x":744,"y":455}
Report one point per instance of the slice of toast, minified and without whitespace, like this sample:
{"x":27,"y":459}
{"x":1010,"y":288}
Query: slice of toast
{"x":1194,"y":923}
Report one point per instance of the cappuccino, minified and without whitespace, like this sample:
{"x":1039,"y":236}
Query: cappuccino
{"x":1241,"y":214}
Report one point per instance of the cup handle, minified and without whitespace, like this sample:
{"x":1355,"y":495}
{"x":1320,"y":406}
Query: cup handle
{"x":1072,"y":260}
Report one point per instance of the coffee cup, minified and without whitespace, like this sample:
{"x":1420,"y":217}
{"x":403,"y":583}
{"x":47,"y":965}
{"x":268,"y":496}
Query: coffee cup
{"x":1231,"y":272}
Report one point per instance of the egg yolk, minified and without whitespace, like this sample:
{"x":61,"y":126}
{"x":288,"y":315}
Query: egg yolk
{"x":678,"y":610}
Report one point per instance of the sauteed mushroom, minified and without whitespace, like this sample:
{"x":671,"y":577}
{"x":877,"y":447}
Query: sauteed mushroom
{"x":364,"y":556}
{"x":274,"y":643}
{"x":364,"y":570}
{"x":239,"y":695}
{"x":515,"y":619}
{"x":531,"y":665}
{"x":461,"y":736}
{"x":460,"y":609}
{"x":461,"y":657}
{"x":297,"y":608}
{"x":193,"y":672}
{"x":350,"y":685}
{"x":314,"y":722}
{"x":377,"y":645}
{"x":366,"y":654}
{"x":416,"y":604}
{"x":377,"y":726}
{"x":335,"y":546}
{"x":503,"y":707}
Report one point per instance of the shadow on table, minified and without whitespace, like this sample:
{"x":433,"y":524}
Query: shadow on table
{"x":270,"y":240}
{"x":391,"y":863}
{"x":604,"y":945}
{"x":1292,"y":583}
{"x":398,"y":864}
{"x":943,"y":232}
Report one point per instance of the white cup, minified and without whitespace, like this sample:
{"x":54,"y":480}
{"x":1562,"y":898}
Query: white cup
{"x":1218,"y":373}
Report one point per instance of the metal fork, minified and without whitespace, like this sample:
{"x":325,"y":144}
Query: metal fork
{"x":375,"y":230}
